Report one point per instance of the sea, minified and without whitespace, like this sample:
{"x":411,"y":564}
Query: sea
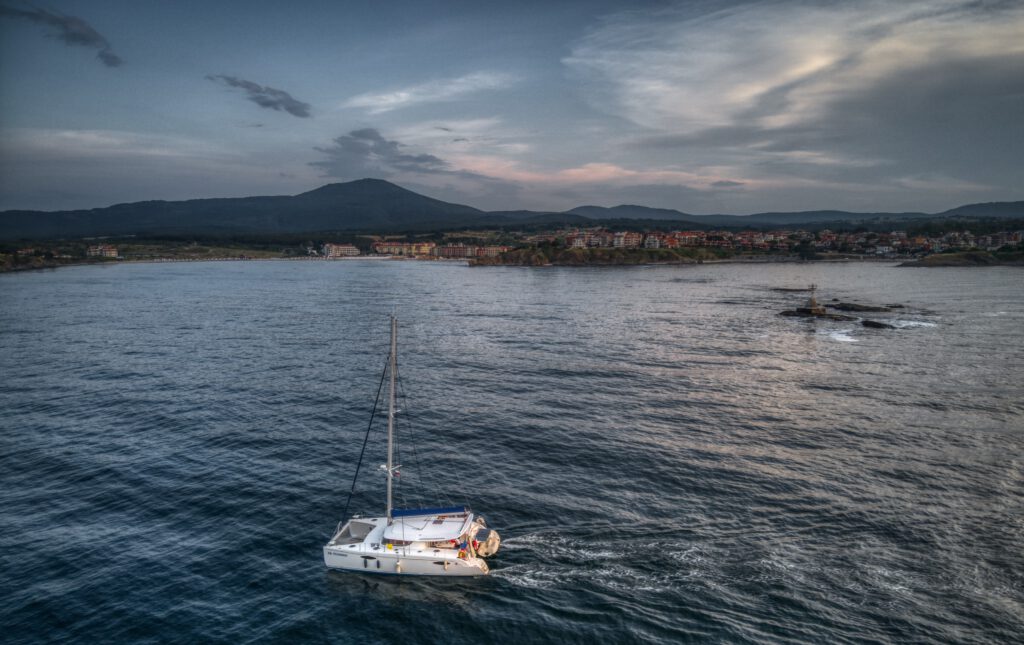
{"x":666,"y":458}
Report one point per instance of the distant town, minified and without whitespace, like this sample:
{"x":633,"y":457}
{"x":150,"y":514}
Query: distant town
{"x":800,"y":243}
{"x":568,"y":243}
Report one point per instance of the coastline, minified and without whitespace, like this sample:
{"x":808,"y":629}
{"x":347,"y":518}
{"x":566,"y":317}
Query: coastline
{"x":644,"y":258}
{"x":939,"y":261}
{"x":965,"y":259}
{"x":112,"y":263}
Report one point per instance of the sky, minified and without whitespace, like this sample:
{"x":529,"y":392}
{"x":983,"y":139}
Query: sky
{"x":702,"y":106}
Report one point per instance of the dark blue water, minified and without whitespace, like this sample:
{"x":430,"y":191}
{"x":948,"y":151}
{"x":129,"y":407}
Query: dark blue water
{"x":667,"y":459}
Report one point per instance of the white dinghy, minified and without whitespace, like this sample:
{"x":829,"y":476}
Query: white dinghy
{"x":439,"y":541}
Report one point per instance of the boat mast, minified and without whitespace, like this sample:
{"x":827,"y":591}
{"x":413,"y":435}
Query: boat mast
{"x":392,"y":361}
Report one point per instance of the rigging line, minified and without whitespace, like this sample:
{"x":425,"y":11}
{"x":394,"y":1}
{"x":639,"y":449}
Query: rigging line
{"x":402,"y":430}
{"x":399,"y":431}
{"x":425,"y":485}
{"x":398,"y":462}
{"x":438,"y":491}
{"x":419,"y":488}
{"x":407,"y":430}
{"x":400,"y":422}
{"x":366,"y":438}
{"x":398,"y":449}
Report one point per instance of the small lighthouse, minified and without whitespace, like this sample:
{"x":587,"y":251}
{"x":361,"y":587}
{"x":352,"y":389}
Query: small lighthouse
{"x":812,"y":308}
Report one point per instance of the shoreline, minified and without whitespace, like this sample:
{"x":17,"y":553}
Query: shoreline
{"x":782,"y":259}
{"x":112,"y":263}
{"x":469,"y":262}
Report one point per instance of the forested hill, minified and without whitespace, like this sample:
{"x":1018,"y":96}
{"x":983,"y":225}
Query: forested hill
{"x":378,"y":206}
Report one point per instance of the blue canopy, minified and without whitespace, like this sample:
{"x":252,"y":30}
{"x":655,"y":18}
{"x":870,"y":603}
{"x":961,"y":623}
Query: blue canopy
{"x":438,"y":510}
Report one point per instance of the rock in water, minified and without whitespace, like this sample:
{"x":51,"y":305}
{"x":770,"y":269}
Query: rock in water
{"x":874,"y":324}
{"x":852,"y":306}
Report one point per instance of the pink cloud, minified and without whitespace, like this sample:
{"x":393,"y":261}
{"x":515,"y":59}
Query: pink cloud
{"x":590,"y":173}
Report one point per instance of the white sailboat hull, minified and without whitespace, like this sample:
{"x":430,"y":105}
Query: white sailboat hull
{"x":360,"y":545}
{"x":404,"y":564}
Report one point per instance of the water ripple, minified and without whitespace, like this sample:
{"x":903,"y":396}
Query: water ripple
{"x":666,"y":458}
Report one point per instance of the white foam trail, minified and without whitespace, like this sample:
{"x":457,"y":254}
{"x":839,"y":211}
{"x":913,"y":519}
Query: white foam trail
{"x":842,"y":336}
{"x":906,"y":324}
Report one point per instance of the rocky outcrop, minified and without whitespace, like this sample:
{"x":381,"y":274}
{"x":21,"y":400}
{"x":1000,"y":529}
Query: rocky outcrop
{"x":805,"y":314}
{"x":874,"y":324}
{"x":964,"y":259}
{"x":852,"y":306}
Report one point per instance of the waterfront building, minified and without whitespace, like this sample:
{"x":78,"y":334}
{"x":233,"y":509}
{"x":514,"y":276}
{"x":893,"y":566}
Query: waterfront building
{"x":654,"y":241}
{"x":686,"y":238}
{"x":456,"y":251}
{"x":423,"y":249}
{"x":405,"y":249}
{"x":490,"y":251}
{"x":101,"y":251}
{"x":579,"y":239}
{"x":627,"y":240}
{"x":339,"y":250}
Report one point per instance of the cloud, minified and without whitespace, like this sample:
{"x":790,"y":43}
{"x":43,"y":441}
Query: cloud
{"x":102,"y":167}
{"x":453,"y":138}
{"x":939,"y":183}
{"x":859,"y":91}
{"x":367,"y":153}
{"x":779,"y":63}
{"x":72,"y":30}
{"x":430,"y":92}
{"x":363,"y":152}
{"x":266,"y":97}
{"x":487,"y":179}
{"x":592,"y":175}
{"x":104,"y":144}
{"x":726,"y":183}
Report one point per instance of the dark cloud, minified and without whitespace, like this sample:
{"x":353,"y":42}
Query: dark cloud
{"x":267,"y":97}
{"x":70,"y":29}
{"x":365,"y":151}
{"x":952,"y":117}
{"x":727,"y":183}
{"x":960,"y":117}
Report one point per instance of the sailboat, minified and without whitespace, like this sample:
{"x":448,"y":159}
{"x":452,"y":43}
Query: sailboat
{"x":435,"y":541}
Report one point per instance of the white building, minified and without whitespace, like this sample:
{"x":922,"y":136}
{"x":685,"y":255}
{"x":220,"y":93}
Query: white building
{"x":101,"y":251}
{"x":339,"y":250}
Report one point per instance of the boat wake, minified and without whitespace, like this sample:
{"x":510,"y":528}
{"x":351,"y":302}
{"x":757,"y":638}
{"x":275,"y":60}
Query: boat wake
{"x":558,"y":562}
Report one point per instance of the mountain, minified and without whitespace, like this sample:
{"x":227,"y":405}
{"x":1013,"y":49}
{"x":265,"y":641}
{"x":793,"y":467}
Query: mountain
{"x":988,"y":209}
{"x":377,"y":206}
{"x":809,"y":218}
{"x":362,"y":205}
{"x":631,"y":211}
{"x":538,"y":218}
{"x":634,"y":212}
{"x":802,"y":217}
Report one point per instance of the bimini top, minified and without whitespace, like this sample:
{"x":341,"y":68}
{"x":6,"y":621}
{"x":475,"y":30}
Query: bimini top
{"x":434,"y":527}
